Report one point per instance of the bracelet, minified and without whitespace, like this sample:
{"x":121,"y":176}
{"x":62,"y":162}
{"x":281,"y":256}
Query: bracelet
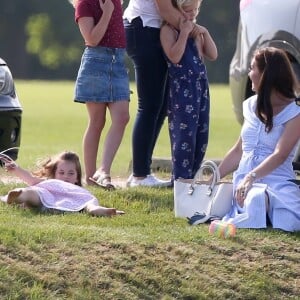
{"x":252,"y":175}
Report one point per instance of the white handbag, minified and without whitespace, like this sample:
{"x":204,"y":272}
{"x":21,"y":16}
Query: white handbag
{"x":208,"y":199}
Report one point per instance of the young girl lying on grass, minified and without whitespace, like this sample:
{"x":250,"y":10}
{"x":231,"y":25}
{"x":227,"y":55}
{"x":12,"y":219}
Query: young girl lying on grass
{"x":56,"y":186}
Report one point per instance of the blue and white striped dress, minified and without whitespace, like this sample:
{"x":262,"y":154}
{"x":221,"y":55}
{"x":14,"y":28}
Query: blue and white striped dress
{"x":284,"y":195}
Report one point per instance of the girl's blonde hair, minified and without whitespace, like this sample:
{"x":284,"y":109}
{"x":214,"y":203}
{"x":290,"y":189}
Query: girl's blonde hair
{"x":48,"y":167}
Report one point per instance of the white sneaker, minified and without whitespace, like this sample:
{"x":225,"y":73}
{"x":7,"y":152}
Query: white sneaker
{"x":149,"y":181}
{"x":3,"y":198}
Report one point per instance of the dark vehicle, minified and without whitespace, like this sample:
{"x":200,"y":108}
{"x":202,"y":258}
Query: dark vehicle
{"x":263,"y":23}
{"x":10,"y":113}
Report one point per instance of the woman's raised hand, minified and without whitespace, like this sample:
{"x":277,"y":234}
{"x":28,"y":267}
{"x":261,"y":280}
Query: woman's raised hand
{"x":107,"y":6}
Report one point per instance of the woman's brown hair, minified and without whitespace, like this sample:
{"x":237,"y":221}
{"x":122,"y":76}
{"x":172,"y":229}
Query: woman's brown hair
{"x":277,"y":74}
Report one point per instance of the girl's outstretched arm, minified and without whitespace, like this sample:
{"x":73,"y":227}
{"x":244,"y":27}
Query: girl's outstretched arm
{"x":26,"y":176}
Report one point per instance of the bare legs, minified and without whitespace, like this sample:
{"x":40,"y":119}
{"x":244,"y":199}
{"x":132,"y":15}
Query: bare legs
{"x":96,"y":210}
{"x":29,"y":198}
{"x":92,"y":137}
{"x":25,"y":196}
{"x":97,"y":117}
{"x":119,"y":119}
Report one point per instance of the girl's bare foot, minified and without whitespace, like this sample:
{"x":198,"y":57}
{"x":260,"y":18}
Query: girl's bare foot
{"x":109,"y":212}
{"x":13,"y":197}
{"x":102,"y":211}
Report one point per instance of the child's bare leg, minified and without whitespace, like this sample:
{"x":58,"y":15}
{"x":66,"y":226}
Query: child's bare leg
{"x":97,"y":210}
{"x":14,"y":196}
{"x":25,"y":196}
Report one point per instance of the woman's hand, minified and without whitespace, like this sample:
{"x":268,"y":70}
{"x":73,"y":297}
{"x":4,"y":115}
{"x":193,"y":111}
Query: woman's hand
{"x":107,"y":6}
{"x":242,"y":190}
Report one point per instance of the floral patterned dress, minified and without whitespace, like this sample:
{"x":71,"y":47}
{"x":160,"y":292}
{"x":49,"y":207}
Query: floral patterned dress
{"x":188,"y":112}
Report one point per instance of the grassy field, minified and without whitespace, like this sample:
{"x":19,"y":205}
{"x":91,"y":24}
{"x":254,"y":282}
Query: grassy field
{"x":145,"y":254}
{"x":52,"y":122}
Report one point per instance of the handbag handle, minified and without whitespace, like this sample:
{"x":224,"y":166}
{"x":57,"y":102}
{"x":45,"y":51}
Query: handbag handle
{"x":212,"y":166}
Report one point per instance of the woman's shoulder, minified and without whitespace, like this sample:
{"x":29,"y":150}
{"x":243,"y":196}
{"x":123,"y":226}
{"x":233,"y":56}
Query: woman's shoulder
{"x":289,"y":112}
{"x":167,"y":29}
{"x":292,"y":110}
{"x":86,"y":4}
{"x":250,"y":103}
{"x":295,"y":104}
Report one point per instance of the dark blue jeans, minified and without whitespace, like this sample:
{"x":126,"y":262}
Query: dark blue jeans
{"x":144,"y":48}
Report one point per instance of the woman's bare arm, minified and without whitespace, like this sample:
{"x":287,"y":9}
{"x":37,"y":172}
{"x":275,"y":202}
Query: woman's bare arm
{"x":231,"y":159}
{"x":91,"y":33}
{"x":169,"y":13}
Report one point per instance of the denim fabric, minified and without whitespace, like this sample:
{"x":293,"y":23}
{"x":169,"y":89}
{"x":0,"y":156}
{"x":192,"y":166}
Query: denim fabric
{"x":102,"y":76}
{"x":144,"y":48}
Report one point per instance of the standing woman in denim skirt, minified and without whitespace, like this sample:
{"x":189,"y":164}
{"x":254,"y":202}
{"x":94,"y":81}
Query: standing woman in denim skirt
{"x":142,"y":20}
{"x":102,"y":83}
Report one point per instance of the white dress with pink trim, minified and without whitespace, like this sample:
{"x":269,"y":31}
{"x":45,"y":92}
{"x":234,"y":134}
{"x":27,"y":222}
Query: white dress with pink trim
{"x":64,"y":196}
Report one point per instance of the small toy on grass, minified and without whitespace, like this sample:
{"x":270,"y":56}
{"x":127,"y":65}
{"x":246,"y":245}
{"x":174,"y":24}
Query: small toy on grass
{"x":222,"y":229}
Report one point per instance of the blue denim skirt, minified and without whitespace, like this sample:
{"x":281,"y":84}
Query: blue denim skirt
{"x":102,"y":76}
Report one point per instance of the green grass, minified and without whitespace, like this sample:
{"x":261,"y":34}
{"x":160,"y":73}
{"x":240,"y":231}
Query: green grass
{"x":52,"y":122}
{"x":145,"y":254}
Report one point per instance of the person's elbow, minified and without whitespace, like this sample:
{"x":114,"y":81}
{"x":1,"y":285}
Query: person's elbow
{"x":174,"y":56}
{"x":212,"y":55}
{"x":175,"y":59}
{"x":91,"y":42}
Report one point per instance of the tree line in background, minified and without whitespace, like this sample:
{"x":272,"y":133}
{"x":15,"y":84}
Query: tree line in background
{"x":40,"y":39}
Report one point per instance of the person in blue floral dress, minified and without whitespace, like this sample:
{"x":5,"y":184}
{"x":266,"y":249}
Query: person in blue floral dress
{"x":188,"y":95}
